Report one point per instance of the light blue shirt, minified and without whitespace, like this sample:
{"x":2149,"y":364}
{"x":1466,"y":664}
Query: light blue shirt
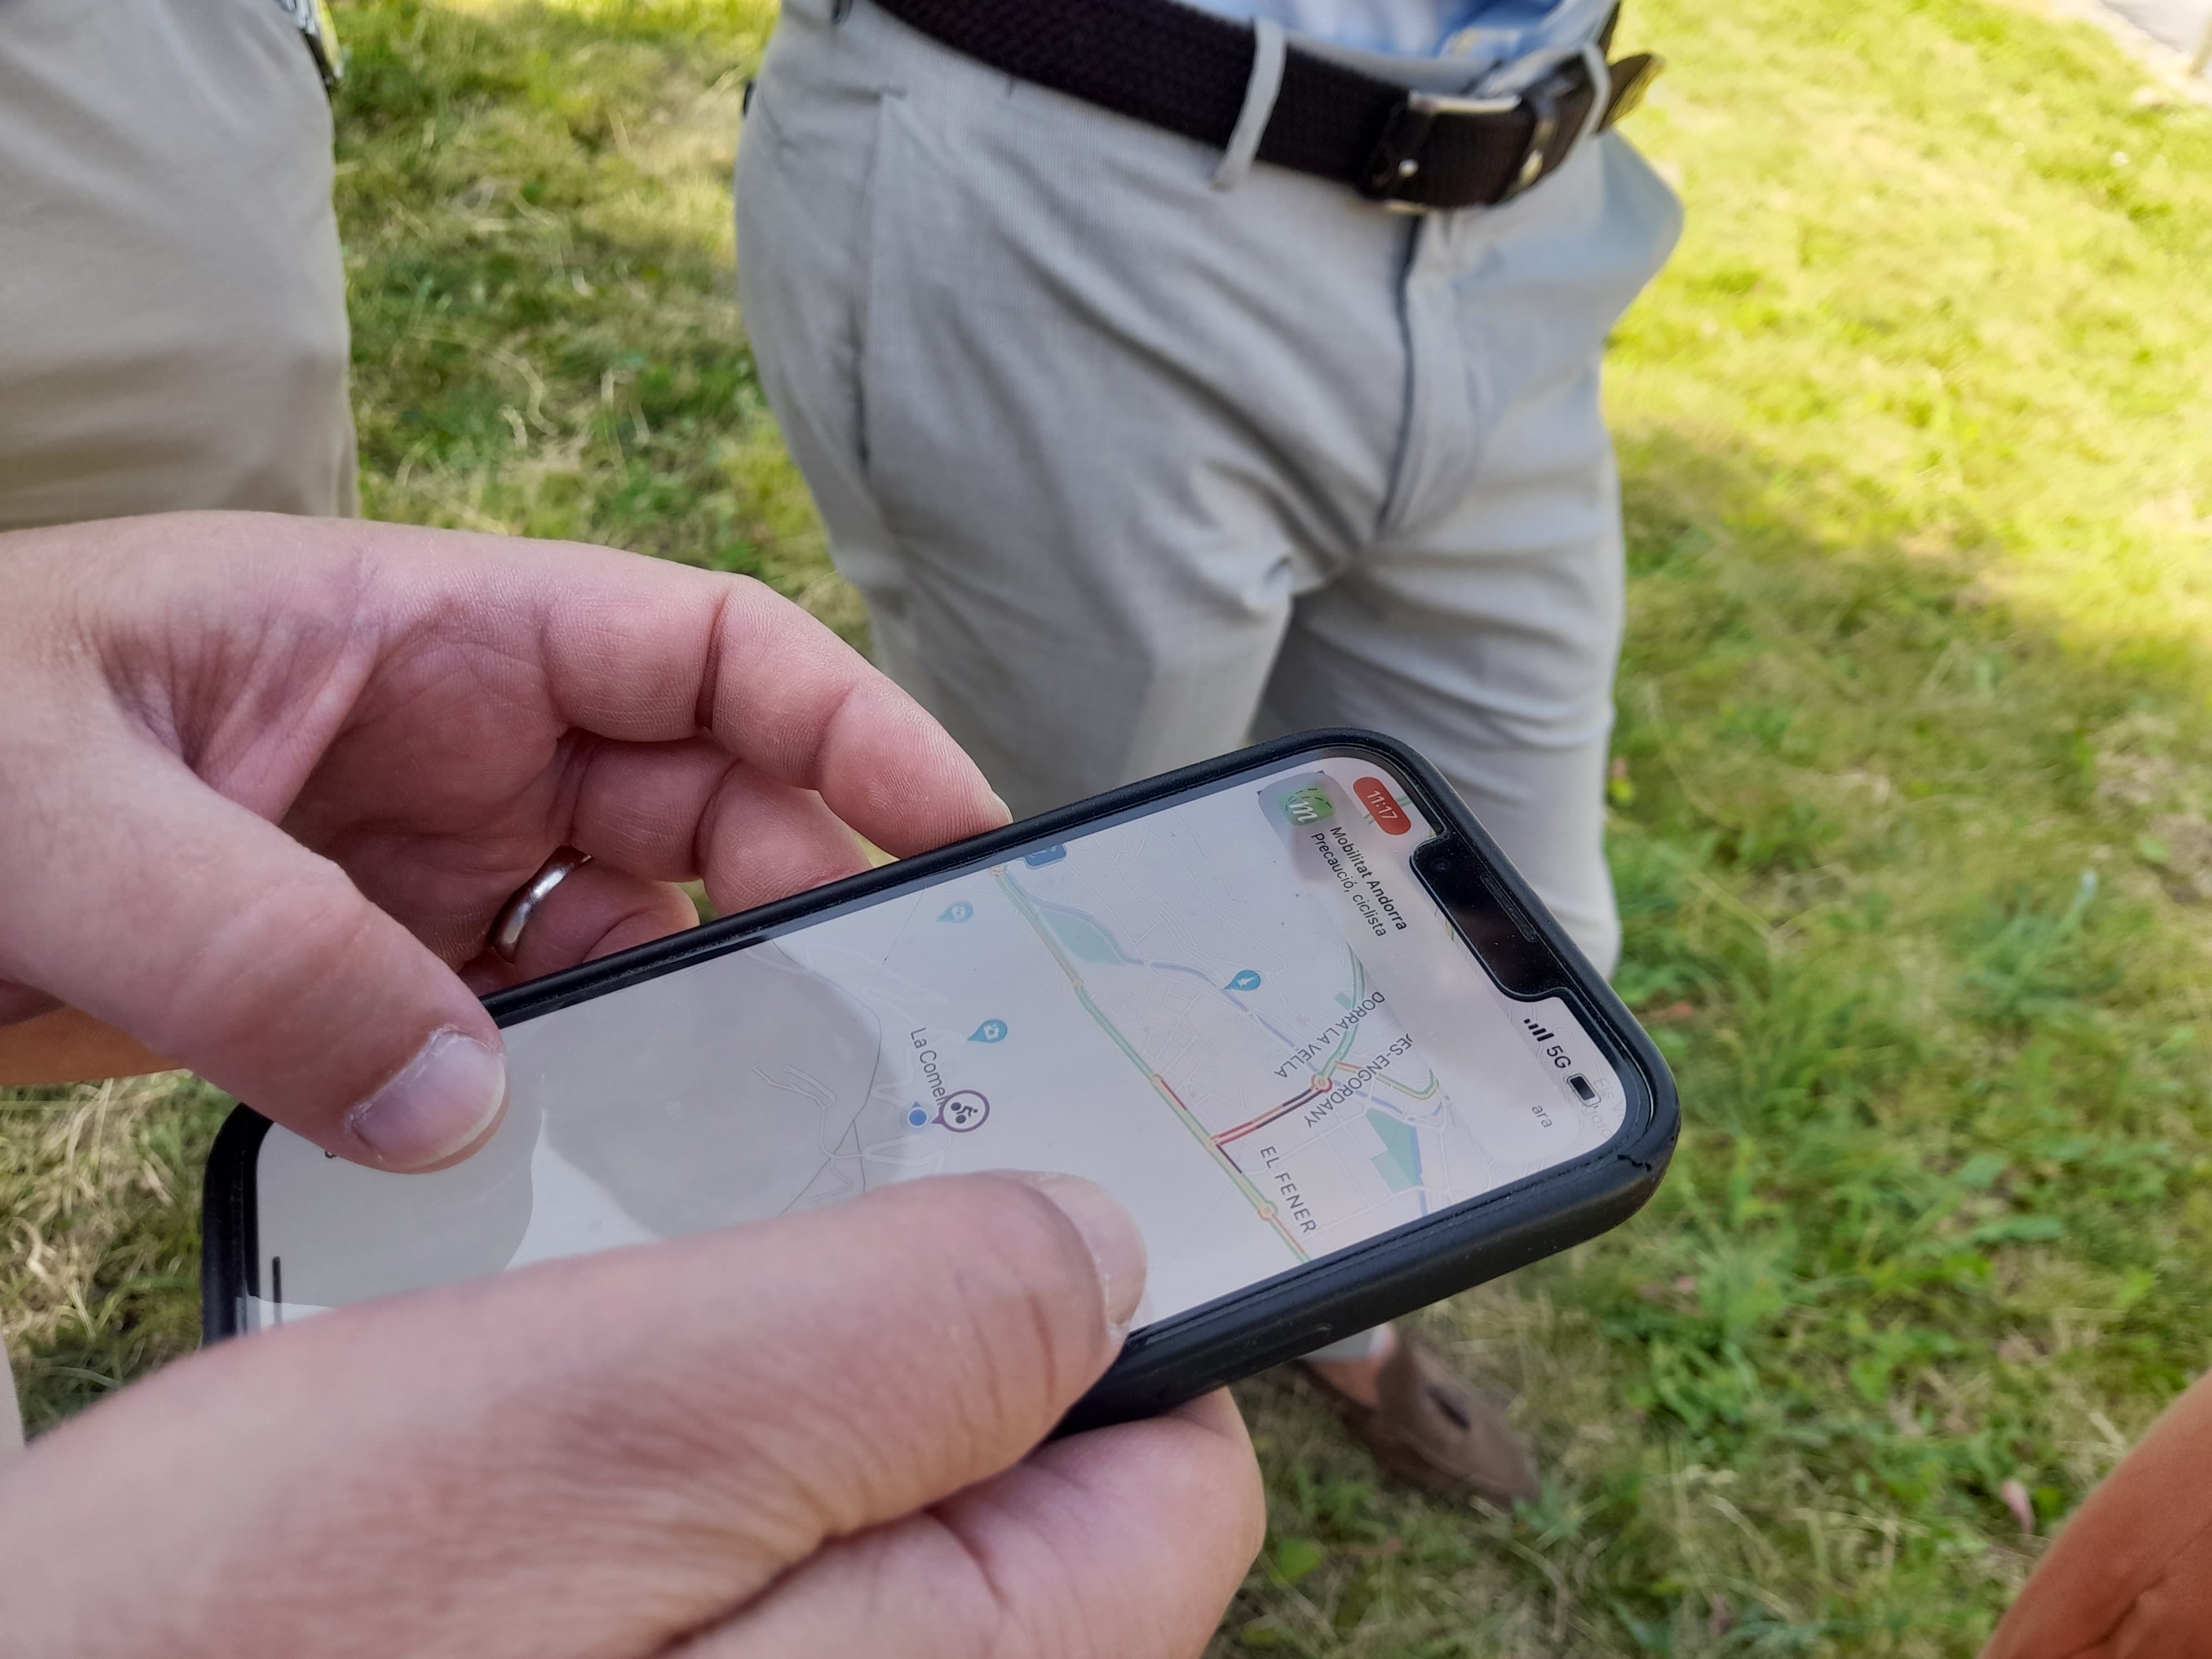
{"x":1490,"y":32}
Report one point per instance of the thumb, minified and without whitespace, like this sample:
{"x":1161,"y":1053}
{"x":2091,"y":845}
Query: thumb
{"x":587,"y":1459}
{"x":212,"y":936}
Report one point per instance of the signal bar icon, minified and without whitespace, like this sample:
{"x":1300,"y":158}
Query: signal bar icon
{"x":1539,"y":1032}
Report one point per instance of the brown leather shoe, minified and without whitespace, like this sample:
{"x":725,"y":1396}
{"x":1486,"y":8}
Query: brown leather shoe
{"x":1430,"y":1427}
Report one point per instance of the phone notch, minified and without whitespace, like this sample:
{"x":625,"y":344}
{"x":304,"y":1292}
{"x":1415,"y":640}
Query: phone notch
{"x":1484,"y":911}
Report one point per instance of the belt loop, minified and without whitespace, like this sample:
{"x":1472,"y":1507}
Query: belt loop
{"x":1269,"y":50}
{"x":1601,"y":75}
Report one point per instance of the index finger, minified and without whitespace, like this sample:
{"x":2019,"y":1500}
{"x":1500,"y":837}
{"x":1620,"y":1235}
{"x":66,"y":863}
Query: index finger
{"x":640,"y":650}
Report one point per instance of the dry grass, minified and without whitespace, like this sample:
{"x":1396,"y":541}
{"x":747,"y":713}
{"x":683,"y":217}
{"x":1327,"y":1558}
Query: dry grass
{"x":99,"y":1277}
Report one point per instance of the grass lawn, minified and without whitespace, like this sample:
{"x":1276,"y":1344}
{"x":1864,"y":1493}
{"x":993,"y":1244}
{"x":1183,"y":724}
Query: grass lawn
{"x":1911,"y":802}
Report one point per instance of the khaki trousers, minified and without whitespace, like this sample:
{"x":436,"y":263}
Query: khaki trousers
{"x":173,"y":330}
{"x":172,"y":327}
{"x":1130,"y":468}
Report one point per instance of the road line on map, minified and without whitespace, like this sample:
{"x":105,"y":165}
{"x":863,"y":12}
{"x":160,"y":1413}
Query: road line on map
{"x":1253,"y":1195}
{"x":1270,"y":1212}
{"x":1266,"y":1118}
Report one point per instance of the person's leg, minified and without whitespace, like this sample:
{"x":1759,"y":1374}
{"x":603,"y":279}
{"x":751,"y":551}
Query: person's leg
{"x":1078,"y":475}
{"x":169,"y":264}
{"x":1484,"y":625}
{"x":1077,"y":440}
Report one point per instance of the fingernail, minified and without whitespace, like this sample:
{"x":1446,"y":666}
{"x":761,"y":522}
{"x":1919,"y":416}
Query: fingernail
{"x":1005,"y":812}
{"x":1117,"y":1248}
{"x":440,"y":1100}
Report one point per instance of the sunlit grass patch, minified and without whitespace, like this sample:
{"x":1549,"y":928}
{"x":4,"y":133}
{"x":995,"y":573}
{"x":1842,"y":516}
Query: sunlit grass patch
{"x":537,"y":211}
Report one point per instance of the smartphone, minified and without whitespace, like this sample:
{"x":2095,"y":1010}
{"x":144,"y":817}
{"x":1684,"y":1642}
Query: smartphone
{"x":1292,"y":1008}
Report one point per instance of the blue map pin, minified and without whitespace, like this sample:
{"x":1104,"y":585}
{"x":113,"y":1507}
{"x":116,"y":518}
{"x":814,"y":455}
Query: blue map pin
{"x":1246,"y":980}
{"x":959,"y":911}
{"x":991,"y":1030}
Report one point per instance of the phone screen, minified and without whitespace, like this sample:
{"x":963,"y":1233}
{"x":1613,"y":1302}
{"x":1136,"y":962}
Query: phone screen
{"x":1241,"y":1012}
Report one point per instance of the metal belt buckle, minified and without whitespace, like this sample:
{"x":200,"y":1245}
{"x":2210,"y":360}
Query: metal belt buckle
{"x":1545,"y":138}
{"x":1396,"y":165}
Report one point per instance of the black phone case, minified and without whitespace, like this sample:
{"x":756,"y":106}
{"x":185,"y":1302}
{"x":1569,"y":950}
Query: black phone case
{"x":1163,"y":1366}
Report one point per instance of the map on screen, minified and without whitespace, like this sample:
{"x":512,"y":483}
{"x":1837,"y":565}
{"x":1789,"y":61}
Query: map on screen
{"x":1243,"y":1015}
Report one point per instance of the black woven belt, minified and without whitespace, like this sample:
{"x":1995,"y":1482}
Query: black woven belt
{"x":1176,"y":67}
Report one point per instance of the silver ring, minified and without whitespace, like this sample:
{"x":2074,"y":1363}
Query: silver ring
{"x":514,"y":916}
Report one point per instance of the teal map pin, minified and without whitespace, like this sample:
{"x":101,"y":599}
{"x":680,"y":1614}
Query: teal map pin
{"x":1246,"y":980}
{"x":991,"y":1030}
{"x":959,"y":911}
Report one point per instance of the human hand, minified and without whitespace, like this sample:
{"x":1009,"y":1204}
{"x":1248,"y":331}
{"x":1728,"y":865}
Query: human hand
{"x":812,"y":1437}
{"x":266,"y":781}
